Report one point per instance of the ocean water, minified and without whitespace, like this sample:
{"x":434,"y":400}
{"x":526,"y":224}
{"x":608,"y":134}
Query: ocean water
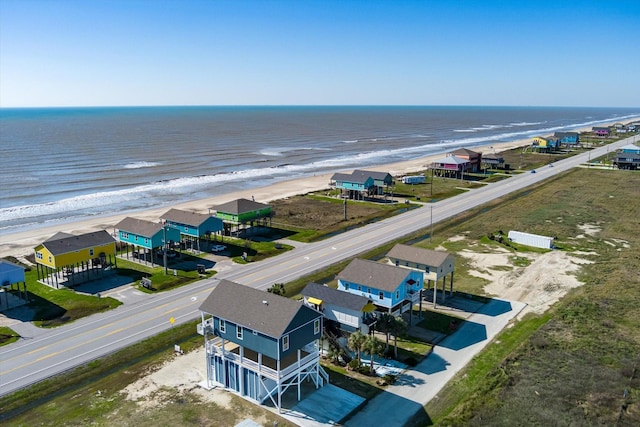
{"x":64,"y":164}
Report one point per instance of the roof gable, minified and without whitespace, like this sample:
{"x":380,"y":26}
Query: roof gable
{"x":240,"y":206}
{"x":374,"y":274}
{"x":75,"y":243}
{"x":140,"y":227}
{"x":193,"y":219}
{"x":418,"y":255}
{"x":334,"y":296}
{"x":264,"y":312}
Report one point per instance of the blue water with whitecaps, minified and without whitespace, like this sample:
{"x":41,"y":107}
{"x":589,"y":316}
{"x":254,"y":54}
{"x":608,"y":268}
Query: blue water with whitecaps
{"x":63,"y":164}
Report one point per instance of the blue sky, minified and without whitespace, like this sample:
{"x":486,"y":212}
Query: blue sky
{"x":298,"y":52}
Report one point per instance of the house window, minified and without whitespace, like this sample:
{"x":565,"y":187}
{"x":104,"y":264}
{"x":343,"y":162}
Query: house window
{"x":223,"y":326}
{"x":136,"y":239}
{"x":359,"y":287}
{"x":91,"y":252}
{"x":397,"y":295}
{"x":146,"y":241}
{"x":50,"y":259}
{"x":316,"y":326}
{"x":381,"y":294}
{"x":38,"y":255}
{"x":397,"y":263}
{"x":124,"y":235}
{"x":426,"y":269}
{"x":368,"y":290}
{"x":285,"y":343}
{"x":239,"y":332}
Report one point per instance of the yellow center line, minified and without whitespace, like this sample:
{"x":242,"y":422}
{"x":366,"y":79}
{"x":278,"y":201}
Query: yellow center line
{"x":70,"y":349}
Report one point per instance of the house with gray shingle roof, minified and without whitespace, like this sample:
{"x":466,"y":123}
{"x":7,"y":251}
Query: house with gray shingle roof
{"x":352,"y":312}
{"x":259,"y":344}
{"x":435,"y":265}
{"x":243,"y":213}
{"x":193,"y":226}
{"x":145,"y":236}
{"x":66,"y":259}
{"x":392,"y":289}
{"x":361,"y":183}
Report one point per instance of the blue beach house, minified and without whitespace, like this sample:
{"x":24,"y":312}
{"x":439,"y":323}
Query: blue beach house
{"x":12,"y":275}
{"x":193,"y":226}
{"x":260,"y":344}
{"x":353,"y":187}
{"x":348,"y":312}
{"x":434,"y":265}
{"x":392,"y":289}
{"x":362,"y":183}
{"x":145,"y":236}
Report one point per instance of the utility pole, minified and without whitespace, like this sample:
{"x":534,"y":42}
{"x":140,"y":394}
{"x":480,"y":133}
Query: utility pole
{"x":431,"y":231}
{"x":164,"y":247}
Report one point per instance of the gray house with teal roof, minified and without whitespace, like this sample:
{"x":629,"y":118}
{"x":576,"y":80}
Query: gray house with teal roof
{"x":260,"y":344}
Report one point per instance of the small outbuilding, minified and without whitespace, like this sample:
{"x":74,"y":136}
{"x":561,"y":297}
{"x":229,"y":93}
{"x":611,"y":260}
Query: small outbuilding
{"x":528,"y":239}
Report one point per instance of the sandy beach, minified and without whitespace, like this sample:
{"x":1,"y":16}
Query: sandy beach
{"x":22,"y":243}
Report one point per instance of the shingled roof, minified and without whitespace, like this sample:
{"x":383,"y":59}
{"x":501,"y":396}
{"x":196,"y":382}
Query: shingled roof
{"x":70,"y":243}
{"x":240,"y":206}
{"x":193,"y":219}
{"x":334,"y":296}
{"x":140,"y":227}
{"x":374,"y":274}
{"x":264,"y":312}
{"x":418,"y":255}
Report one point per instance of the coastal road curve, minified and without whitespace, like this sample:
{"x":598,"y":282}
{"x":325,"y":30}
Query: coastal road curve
{"x":48,"y":352}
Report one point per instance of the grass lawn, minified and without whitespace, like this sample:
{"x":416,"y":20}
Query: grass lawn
{"x":577,"y":364}
{"x":7,"y":335}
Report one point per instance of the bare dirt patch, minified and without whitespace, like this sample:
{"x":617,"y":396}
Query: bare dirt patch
{"x":543,"y":282}
{"x":182,"y":373}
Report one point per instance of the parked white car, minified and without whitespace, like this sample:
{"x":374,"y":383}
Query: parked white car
{"x":218,"y":248}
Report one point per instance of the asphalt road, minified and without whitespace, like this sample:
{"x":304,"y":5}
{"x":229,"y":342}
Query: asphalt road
{"x":49,"y":352}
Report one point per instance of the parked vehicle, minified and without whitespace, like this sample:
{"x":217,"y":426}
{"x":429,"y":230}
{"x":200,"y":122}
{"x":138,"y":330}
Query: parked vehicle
{"x":218,"y":248}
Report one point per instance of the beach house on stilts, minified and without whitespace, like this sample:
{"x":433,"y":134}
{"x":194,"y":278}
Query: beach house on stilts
{"x":434,"y":265}
{"x":260,"y":344}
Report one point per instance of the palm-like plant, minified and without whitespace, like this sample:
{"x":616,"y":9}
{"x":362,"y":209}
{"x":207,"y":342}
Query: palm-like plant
{"x":385,"y":325}
{"x":373,"y":347}
{"x":355,"y":342}
{"x":399,"y":328}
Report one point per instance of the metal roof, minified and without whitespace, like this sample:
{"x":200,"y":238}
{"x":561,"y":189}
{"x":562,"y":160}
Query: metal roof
{"x":264,"y":312}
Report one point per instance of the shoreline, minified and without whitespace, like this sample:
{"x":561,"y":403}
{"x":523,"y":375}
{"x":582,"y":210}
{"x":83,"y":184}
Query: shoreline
{"x":21,"y":243}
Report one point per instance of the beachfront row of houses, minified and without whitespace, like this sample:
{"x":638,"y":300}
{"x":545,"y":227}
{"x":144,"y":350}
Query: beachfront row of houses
{"x":260,"y":344}
{"x":68,"y":260}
